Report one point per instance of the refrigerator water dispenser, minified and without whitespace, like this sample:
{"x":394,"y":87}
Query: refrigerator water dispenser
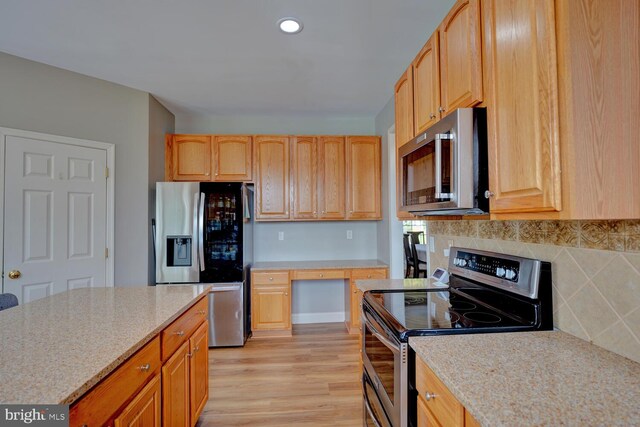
{"x":178,"y":251}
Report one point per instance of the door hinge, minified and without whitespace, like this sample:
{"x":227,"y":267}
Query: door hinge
{"x":106,"y":252}
{"x":106,"y":172}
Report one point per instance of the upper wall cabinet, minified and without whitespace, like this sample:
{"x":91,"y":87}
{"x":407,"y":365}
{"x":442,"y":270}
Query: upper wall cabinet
{"x":363,"y":177}
{"x":272,"y":177}
{"x":426,"y":85}
{"x":522,"y":103}
{"x":460,"y":57}
{"x":208,"y":158}
{"x":331,"y":177}
{"x":404,"y":107}
{"x":304,"y":177}
{"x":188,"y":158}
{"x":232,"y":158}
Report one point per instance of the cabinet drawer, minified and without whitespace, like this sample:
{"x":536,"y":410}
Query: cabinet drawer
{"x":181,"y":329}
{"x":369,"y":273}
{"x":318,"y":274}
{"x":270,"y":278}
{"x":103,"y":402}
{"x":444,"y":406}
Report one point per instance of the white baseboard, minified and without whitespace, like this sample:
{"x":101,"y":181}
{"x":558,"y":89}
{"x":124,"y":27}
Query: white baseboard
{"x":299,"y":318}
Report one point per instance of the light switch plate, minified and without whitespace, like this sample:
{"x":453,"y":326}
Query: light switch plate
{"x":280,"y":235}
{"x":349,"y":234}
{"x":446,"y":252}
{"x":432,"y":244}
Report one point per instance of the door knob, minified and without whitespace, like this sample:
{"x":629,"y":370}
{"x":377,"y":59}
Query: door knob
{"x":14,"y":274}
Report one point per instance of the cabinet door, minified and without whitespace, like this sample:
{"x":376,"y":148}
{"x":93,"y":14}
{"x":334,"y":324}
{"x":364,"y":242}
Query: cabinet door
{"x":426,"y":85}
{"x":522,"y":103}
{"x":271,"y":308}
{"x":144,"y":409}
{"x":198,"y":371}
{"x":232,"y":158}
{"x":425,"y":417}
{"x":191,"y":157}
{"x":331,"y":188}
{"x":363,"y":177}
{"x":460,"y":57}
{"x":272,"y":180}
{"x":404,"y":107}
{"x":304,"y":161}
{"x":175,"y":388}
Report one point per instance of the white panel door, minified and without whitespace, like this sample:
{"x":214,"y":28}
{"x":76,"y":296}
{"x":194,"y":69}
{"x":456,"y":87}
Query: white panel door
{"x":55,"y":203}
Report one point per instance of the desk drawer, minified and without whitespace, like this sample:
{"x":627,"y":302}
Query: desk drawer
{"x":270,"y":278}
{"x":368,"y":273}
{"x":444,"y":406}
{"x":319,"y":274}
{"x":181,"y":329}
{"x":102,"y":402}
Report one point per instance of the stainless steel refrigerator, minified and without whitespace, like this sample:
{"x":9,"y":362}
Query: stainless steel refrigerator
{"x":204,"y":235}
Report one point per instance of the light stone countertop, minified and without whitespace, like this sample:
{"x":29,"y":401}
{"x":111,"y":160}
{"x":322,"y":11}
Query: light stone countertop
{"x":383,"y":284}
{"x":535,"y":378}
{"x":318,"y":265}
{"x":55,"y":349}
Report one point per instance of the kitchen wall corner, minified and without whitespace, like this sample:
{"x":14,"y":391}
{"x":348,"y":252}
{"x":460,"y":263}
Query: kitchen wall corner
{"x":595,"y":267}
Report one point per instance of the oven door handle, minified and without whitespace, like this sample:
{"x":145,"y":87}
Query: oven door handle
{"x":386,"y":341}
{"x":370,"y":412}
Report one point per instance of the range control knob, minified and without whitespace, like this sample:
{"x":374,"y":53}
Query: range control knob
{"x":463,"y":262}
{"x":510,"y":274}
{"x":500,"y":272}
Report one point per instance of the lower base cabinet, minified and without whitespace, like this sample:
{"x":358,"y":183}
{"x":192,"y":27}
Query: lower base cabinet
{"x":144,"y":410}
{"x":436,"y":406}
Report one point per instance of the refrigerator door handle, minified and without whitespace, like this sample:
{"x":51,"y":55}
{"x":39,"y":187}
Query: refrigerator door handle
{"x":196,"y":240}
{"x":201,"y":233}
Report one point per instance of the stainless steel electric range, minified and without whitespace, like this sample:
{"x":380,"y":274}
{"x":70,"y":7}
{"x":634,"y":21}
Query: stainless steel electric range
{"x":488,"y":292}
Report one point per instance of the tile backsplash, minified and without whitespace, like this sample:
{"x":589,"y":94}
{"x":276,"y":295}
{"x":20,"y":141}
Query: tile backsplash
{"x":595,"y":269}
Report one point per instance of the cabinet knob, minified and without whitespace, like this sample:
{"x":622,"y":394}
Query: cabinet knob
{"x":203,"y":312}
{"x":323,"y":212}
{"x":270,"y":278}
{"x":432,"y":116}
{"x":321,"y":275}
{"x":145,"y":368}
{"x":428,"y":396}
{"x":286,"y":294}
{"x":368,"y":276}
{"x":488,"y":194}
{"x":207,"y":174}
{"x":179,"y":333}
{"x":355,"y":291}
{"x":441,"y":109}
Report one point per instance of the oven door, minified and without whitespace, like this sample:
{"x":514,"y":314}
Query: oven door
{"x":385,"y":362}
{"x":374,"y":415}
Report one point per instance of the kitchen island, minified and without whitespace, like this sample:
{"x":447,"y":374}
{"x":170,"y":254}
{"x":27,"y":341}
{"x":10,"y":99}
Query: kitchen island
{"x":56,"y":349}
{"x":531,"y":378}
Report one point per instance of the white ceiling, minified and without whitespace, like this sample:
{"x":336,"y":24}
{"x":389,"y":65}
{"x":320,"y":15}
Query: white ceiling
{"x":208,"y":57}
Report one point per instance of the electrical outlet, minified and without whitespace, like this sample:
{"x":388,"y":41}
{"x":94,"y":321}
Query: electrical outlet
{"x":349,"y":234}
{"x":432,"y":244}
{"x":446,"y":252}
{"x":280,"y":235}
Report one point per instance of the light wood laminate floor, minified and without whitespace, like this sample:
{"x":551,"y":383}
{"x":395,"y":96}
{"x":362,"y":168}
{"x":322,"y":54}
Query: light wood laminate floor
{"x":309,"y":379}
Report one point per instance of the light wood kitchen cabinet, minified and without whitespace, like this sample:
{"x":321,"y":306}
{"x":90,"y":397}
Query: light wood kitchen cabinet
{"x":304,"y":173}
{"x":363,"y":177}
{"x":318,"y":173}
{"x":331,"y":177}
{"x":436,"y":405}
{"x":270,"y":302}
{"x":522,"y":105}
{"x":426,"y":85}
{"x":144,"y":410}
{"x":404,"y":108}
{"x":460,"y":57}
{"x":232,"y":158}
{"x":198,"y":372}
{"x":272,"y":177}
{"x":188,"y":158}
{"x":175,"y":388}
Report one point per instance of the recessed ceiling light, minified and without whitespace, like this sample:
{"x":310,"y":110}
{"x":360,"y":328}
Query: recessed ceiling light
{"x":290,"y":25}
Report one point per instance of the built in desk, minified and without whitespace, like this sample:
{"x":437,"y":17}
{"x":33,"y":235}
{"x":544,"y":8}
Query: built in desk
{"x":271,"y":284}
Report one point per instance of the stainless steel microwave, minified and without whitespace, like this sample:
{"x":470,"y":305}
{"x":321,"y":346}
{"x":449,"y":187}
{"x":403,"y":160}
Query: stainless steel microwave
{"x":444,"y":170}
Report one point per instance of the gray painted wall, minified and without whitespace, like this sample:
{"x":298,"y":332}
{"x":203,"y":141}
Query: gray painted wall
{"x":390,"y":228}
{"x":161,"y":122}
{"x":41,"y":98}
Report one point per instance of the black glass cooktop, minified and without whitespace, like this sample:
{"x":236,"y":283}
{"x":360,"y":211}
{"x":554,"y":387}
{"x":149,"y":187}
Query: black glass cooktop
{"x":463,"y":309}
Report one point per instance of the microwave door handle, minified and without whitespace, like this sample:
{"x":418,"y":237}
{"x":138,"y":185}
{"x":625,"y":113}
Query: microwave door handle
{"x":201,"y":233}
{"x":438,"y":139}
